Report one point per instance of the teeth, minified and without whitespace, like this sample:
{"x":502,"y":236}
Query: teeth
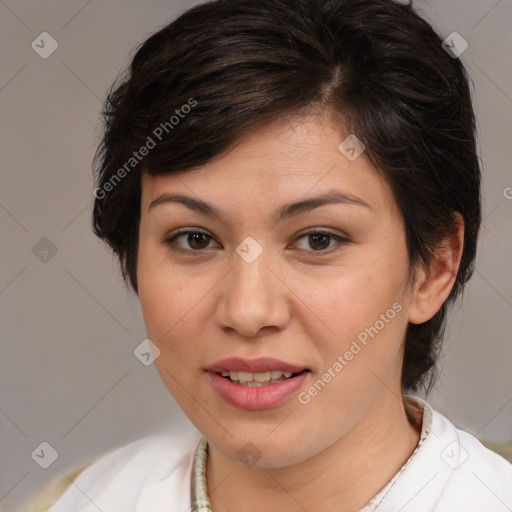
{"x":244,"y":376}
{"x":260,"y":377}
{"x":256,"y":379}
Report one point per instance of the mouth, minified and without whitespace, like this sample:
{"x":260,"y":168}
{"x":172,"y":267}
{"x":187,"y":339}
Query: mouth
{"x":262,"y":370}
{"x":255,"y":384}
{"x":259,"y":379}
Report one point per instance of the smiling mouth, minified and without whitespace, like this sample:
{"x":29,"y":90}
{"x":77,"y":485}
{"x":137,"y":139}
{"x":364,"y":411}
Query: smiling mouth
{"x":259,"y":379}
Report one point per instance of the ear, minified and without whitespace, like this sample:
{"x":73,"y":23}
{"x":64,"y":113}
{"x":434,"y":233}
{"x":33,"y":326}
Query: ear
{"x":433,"y":285}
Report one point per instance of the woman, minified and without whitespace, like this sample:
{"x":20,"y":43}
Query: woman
{"x":293,"y":191}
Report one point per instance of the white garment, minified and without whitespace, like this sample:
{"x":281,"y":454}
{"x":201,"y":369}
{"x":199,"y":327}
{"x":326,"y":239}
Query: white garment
{"x":450,"y":472}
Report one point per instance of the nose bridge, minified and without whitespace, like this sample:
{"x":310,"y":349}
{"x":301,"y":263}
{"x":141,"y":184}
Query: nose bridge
{"x":250,"y":272}
{"x":252,"y":298}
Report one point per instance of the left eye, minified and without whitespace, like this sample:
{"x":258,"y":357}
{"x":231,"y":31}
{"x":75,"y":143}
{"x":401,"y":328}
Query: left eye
{"x":199,"y":240}
{"x":321,"y":238}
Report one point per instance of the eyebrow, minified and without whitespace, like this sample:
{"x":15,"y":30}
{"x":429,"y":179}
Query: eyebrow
{"x":286,"y":211}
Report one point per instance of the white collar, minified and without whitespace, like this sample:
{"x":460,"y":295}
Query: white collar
{"x":199,"y":488}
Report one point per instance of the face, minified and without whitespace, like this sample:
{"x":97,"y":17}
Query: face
{"x":318,"y":290}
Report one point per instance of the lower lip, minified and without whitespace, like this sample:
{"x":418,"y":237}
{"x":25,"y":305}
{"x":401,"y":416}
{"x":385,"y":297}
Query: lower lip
{"x":256,"y":398}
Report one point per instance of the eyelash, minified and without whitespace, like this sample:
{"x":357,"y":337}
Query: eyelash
{"x":170,"y":241}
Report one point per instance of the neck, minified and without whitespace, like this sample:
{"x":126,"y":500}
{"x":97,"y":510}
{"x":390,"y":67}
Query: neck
{"x":343,"y":477}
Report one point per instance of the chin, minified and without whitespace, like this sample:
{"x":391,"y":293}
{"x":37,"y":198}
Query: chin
{"x":263,"y":452}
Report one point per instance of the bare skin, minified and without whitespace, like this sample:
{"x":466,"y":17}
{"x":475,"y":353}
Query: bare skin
{"x":298,"y":302}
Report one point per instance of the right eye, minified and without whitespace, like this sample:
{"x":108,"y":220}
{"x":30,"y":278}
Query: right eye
{"x":196,"y":240}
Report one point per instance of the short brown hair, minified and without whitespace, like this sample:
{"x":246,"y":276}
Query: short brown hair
{"x":238,"y":65}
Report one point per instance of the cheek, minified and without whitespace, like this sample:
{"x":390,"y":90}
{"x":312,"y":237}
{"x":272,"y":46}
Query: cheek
{"x":363,"y":305}
{"x":355,"y":297}
{"x":167,"y":305}
{"x":176,"y":306}
{"x":361,"y":350}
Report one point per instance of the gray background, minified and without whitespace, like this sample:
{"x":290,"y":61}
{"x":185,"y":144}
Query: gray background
{"x":69,"y":327}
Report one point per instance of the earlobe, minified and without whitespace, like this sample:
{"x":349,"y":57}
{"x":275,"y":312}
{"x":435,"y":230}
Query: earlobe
{"x":433,"y":285}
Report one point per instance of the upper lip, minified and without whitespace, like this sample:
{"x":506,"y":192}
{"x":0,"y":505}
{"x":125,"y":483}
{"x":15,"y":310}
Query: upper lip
{"x":259,"y":365}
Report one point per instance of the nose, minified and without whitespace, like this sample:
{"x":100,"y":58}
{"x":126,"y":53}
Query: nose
{"x":254,"y":298}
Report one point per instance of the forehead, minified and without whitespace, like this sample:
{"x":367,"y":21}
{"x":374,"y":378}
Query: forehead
{"x":289,"y":159}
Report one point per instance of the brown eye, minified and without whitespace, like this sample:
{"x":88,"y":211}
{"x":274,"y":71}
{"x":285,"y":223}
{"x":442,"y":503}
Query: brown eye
{"x":320,"y":241}
{"x":195,"y":240}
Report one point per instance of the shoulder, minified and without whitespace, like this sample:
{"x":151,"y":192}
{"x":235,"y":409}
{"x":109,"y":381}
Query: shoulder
{"x":480,"y":478}
{"x":51,"y":492}
{"x":135,"y":476}
{"x":452,"y":471}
